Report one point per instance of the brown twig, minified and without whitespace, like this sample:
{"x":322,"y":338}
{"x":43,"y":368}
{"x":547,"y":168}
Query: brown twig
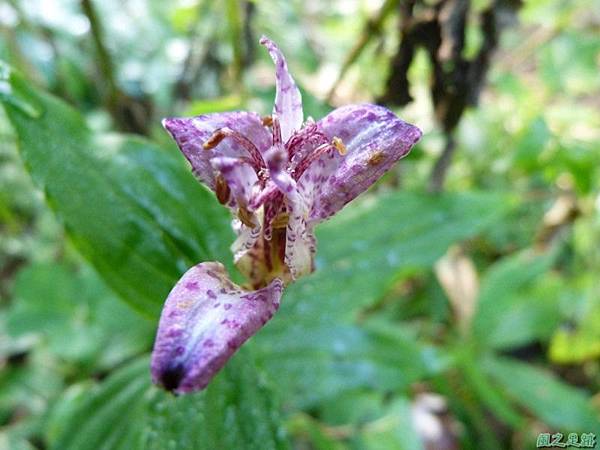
{"x":105,"y":63}
{"x":440,"y":168}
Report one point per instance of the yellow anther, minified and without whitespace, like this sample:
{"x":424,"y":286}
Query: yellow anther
{"x":246,"y":217}
{"x":339,"y":145}
{"x":267,"y":121}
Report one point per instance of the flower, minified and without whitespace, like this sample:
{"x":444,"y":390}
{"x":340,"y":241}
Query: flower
{"x":280,"y":176}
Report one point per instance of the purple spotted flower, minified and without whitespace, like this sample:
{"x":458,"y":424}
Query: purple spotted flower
{"x":280,"y":176}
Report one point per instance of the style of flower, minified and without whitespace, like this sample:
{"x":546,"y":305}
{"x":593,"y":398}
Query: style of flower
{"x":280,"y":177}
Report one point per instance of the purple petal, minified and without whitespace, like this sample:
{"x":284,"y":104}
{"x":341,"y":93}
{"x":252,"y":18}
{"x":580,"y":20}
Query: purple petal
{"x":375,"y":138}
{"x":243,"y":183}
{"x":206,"y":318}
{"x":300,"y":243}
{"x":252,"y":264}
{"x":288,"y":100}
{"x":247,"y":238}
{"x":239,"y":176}
{"x":191,"y":133}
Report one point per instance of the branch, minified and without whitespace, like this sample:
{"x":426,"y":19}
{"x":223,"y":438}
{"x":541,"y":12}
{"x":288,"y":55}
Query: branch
{"x":438,"y":174}
{"x":105,"y":62}
{"x":129,"y":113}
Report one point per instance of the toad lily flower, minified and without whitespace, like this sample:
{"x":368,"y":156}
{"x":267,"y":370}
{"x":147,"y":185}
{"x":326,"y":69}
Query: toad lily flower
{"x":280,"y":176}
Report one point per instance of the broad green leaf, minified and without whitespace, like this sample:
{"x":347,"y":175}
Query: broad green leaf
{"x":126,"y":412}
{"x":324,"y":360}
{"x":559,"y":405}
{"x":314,"y":339}
{"x":131,"y":208}
{"x":363,"y":250}
{"x":508,"y":311}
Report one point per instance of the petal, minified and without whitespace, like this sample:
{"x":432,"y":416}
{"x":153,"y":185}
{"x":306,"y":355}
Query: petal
{"x":192,"y":132}
{"x":244,"y":186}
{"x":246,"y":238}
{"x":375,"y":138}
{"x":206,"y":318}
{"x":252,"y":264}
{"x":239,"y":176}
{"x":288,"y":100}
{"x":300,"y":242}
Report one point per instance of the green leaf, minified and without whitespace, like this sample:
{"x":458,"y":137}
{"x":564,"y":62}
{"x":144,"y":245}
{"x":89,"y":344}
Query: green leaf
{"x":363,"y":250}
{"x":324,"y":360}
{"x":478,"y":383}
{"x":393,"y":431}
{"x":214,"y":105}
{"x":304,"y":428}
{"x":131,"y":208}
{"x":76,"y":314}
{"x":314,"y":339}
{"x":127,"y":412}
{"x":579,"y":341}
{"x":505,"y":315}
{"x":559,"y":405}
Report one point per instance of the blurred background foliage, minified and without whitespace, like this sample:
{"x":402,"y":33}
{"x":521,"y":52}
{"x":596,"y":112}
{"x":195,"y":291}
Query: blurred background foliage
{"x":456,"y":305}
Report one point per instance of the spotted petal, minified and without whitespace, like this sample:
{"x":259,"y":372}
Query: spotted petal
{"x":243,"y":184}
{"x":374,"y":137}
{"x":206,"y":318}
{"x":192,"y":132}
{"x":288,"y":100}
{"x":300,"y":242}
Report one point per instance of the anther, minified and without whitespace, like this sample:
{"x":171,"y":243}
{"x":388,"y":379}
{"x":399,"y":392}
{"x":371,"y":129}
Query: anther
{"x":246,"y":217}
{"x":339,"y":145}
{"x":214,"y":140}
{"x":267,"y":121}
{"x":222,"y":189}
{"x":255,"y":156}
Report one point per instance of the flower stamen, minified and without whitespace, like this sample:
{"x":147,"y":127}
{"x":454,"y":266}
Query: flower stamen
{"x":336,"y":144}
{"x":339,"y":145}
{"x":246,"y":217}
{"x":225,"y":132}
{"x":222,"y":189}
{"x":267,"y":121}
